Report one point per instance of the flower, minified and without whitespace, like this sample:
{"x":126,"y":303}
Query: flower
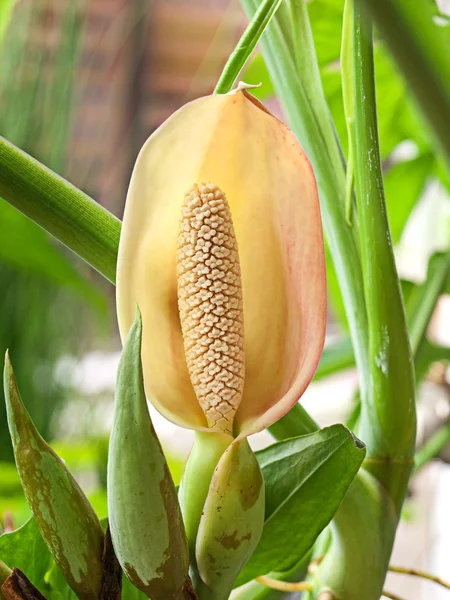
{"x":222,"y":250}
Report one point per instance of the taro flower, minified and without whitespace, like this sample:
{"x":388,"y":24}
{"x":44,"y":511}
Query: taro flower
{"x":222,"y":250}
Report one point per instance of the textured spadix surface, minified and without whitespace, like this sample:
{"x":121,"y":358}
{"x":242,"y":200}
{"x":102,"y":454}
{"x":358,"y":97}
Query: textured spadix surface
{"x":210,"y":303}
{"x":231,"y":143}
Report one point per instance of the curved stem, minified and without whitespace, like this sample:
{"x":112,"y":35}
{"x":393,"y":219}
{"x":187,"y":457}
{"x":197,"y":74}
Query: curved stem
{"x":60,"y":208}
{"x":421,"y":574}
{"x":391,"y":596}
{"x":285,"y":586}
{"x":246,"y":45}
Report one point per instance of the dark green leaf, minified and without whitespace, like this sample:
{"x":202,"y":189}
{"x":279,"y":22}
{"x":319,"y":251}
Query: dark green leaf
{"x":306,"y":479}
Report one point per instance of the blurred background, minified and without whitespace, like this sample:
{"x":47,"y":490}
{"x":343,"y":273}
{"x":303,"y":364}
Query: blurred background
{"x":83,"y":83}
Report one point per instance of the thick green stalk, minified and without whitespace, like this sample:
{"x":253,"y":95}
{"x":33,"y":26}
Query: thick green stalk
{"x":246,"y":45}
{"x":363,"y":532}
{"x":421,"y":48}
{"x":388,"y":419}
{"x":289,"y":53}
{"x":364,"y":526}
{"x":60,"y":208}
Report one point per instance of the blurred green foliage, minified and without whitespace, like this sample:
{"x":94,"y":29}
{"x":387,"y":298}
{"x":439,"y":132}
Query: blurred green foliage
{"x":45,"y":295}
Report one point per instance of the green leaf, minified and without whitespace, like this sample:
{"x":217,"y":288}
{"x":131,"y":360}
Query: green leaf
{"x":129,"y":591}
{"x":306,"y":479}
{"x":335,"y":298}
{"x":404,"y":183}
{"x":145,"y":519}
{"x":25,"y":549}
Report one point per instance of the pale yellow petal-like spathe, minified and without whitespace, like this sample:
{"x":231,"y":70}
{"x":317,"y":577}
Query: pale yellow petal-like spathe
{"x":257,"y":162}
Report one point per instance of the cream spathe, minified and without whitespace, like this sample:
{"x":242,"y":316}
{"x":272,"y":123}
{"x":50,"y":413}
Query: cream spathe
{"x":257,"y":164}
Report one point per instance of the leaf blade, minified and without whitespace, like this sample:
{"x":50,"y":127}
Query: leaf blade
{"x":306,"y":479}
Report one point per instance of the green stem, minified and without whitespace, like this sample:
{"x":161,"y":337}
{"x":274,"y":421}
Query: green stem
{"x":205,"y":454}
{"x":349,"y":101}
{"x":388,"y":418}
{"x":363,"y":531}
{"x":423,"y":300}
{"x":64,"y":211}
{"x":432,"y":446}
{"x":246,"y":45}
{"x":368,"y":515}
{"x":256,"y":591}
{"x":421,"y":49}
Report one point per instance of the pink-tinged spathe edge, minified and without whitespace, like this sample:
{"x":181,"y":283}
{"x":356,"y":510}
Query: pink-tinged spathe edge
{"x":265,"y":420}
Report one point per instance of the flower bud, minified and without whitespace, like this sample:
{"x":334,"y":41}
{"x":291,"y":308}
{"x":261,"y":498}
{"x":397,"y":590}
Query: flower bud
{"x":232,"y":521}
{"x":66,"y":519}
{"x":144,"y":515}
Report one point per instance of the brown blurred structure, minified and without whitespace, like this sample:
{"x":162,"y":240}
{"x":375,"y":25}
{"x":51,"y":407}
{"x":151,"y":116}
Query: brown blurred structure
{"x":139,"y":61}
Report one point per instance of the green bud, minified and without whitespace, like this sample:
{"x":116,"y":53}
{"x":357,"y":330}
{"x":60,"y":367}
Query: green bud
{"x":62,"y":512}
{"x":232,"y":521}
{"x":208,"y":447}
{"x":144,"y":515}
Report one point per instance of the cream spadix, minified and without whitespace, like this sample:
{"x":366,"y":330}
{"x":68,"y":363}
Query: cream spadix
{"x":222,"y":250}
